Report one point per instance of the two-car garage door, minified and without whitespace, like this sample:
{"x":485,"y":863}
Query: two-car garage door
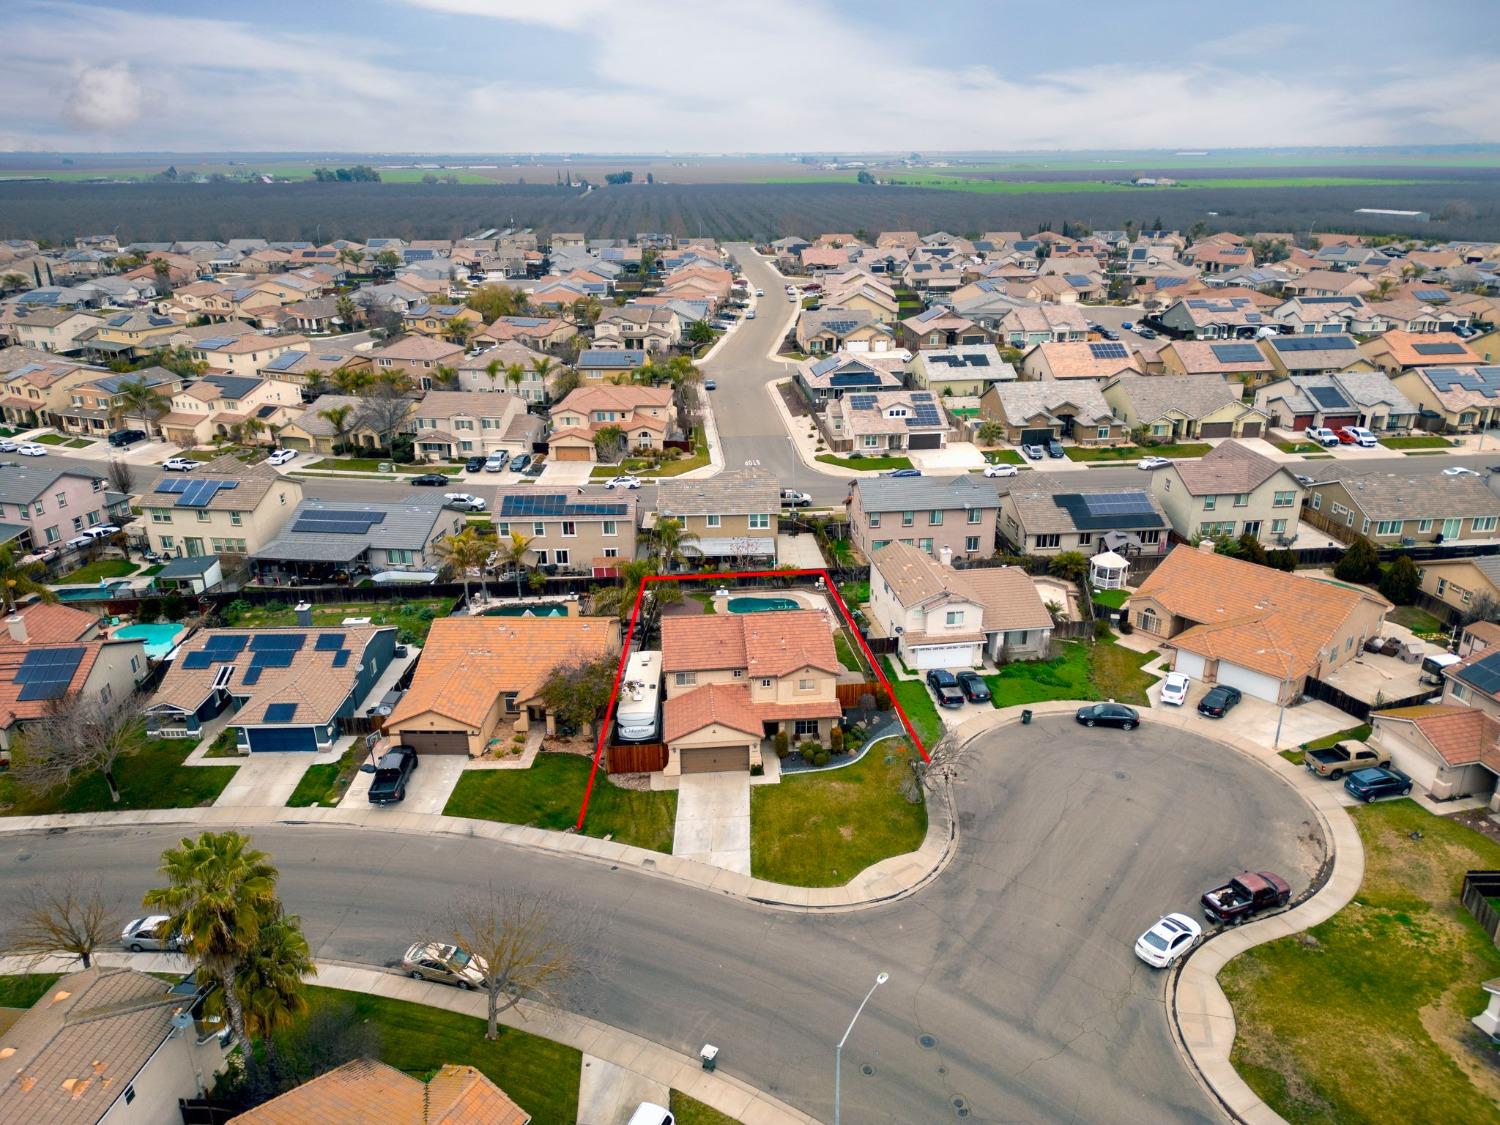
{"x":278,"y":739}
{"x":715,"y":759}
{"x":435,"y":741}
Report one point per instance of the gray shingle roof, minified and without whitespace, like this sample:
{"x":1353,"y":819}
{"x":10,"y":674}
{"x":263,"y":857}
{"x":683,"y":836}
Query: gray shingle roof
{"x":1021,"y":401}
{"x":24,"y":484}
{"x":1392,"y":496}
{"x":905,"y":494}
{"x":733,"y":492}
{"x":407,"y":526}
{"x":1195,"y":395}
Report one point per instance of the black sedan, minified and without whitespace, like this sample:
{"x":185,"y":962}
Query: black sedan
{"x":973,"y":686}
{"x":1218,"y":702}
{"x":1108,"y":715}
{"x":1376,"y":781}
{"x":432,"y":480}
{"x":945,"y":686}
{"x":474,"y":465}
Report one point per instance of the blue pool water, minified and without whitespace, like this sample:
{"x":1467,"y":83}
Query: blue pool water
{"x":552,"y":609}
{"x":761,"y":605}
{"x":159,"y":638}
{"x":90,"y":593}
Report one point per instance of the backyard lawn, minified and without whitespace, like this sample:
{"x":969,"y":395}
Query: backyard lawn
{"x":1417,"y":441}
{"x":1365,"y":1018}
{"x":154,"y":778}
{"x":821,"y":829}
{"x":1100,"y":671}
{"x":324,"y":784}
{"x":91,"y":574}
{"x":917,"y":702}
{"x":862,"y":464}
{"x":550,"y":793}
{"x":1111,"y":599}
{"x":1417,"y":620}
{"x":412,"y":618}
{"x":846,"y":654}
{"x":1133,"y":452}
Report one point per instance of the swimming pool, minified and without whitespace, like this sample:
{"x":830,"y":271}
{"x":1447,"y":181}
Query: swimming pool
{"x":549,"y":609}
{"x":159,"y":638}
{"x":90,"y":593}
{"x":761,"y":605}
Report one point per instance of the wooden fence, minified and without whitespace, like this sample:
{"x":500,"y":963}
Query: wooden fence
{"x":1481,"y":892}
{"x":637,"y":757}
{"x":850,"y":695}
{"x":1327,"y":693}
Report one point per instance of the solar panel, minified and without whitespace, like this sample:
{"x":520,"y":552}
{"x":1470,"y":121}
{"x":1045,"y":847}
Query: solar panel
{"x":271,"y":642}
{"x":177,"y":484}
{"x":922,"y":396}
{"x":280,"y":712}
{"x":854,"y":379}
{"x":1312,"y":344}
{"x":1236,"y":353}
{"x":197,"y":661}
{"x":1441,"y":347}
{"x":251,"y":676}
{"x":1106,"y":511}
{"x":274,"y":658}
{"x":1108,"y":351}
{"x":862,"y":402}
{"x":329,"y":642}
{"x":341,"y":658}
{"x":1329,"y":398}
{"x":229,"y":644}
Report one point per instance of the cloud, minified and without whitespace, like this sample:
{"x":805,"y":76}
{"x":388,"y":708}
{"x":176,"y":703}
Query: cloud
{"x":547,"y":13}
{"x":105,"y":98}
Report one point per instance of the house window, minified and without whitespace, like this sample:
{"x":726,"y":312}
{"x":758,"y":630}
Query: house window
{"x":510,"y":702}
{"x":1424,"y":525}
{"x":562,"y":558}
{"x":686,"y":679}
{"x":908,"y":518}
{"x":203,"y":517}
{"x":971,"y":543}
{"x":760,"y":521}
{"x":611,"y":552}
{"x":1242,"y":499}
{"x":1484,"y":523}
{"x":1017,"y":636}
{"x":765,"y":683}
{"x":804,"y":685}
{"x":715,"y":521}
{"x":36,"y":508}
{"x":1388,"y":527}
{"x":954,"y":617}
{"x":872,"y":441}
{"x":879,"y":543}
{"x":738,"y":674}
{"x":1102,"y":433}
{"x":1457,"y":690}
{"x":160,"y":515}
{"x":610,"y":528}
{"x":806,"y":727}
{"x":569,"y":528}
{"x":399,"y":556}
{"x":166,"y":540}
{"x":1317,"y":500}
{"x":1148,"y":620}
{"x":62,"y":499}
{"x":874,"y":519}
{"x":538,"y":529}
{"x":975,"y":515}
{"x":541,"y":558}
{"x":1045,"y":541}
{"x":1210,"y":503}
{"x":925,"y":544}
{"x":1085,"y":538}
{"x":1364,"y":527}
{"x":236,"y":519}
{"x":935,"y":518}
{"x":1278,"y":527}
{"x":1283,"y":499}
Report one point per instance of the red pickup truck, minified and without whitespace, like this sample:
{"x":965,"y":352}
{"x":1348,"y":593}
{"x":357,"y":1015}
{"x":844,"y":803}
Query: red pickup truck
{"x":1248,"y":893}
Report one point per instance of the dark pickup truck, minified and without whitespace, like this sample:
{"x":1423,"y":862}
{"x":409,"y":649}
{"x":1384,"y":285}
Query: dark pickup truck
{"x":392,"y":772}
{"x":1248,"y":893}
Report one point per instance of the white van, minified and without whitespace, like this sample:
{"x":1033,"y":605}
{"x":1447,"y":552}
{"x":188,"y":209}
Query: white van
{"x":640,"y":695}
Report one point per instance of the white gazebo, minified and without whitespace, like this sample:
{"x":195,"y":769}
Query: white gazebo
{"x":1107,"y":571}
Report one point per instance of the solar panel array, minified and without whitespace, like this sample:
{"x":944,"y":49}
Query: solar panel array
{"x":861,"y":402}
{"x":1108,"y":351}
{"x":329,"y":642}
{"x":226,"y":646}
{"x":280,"y":712}
{"x":556,"y":505}
{"x":1107,"y":511}
{"x":1441,"y":347}
{"x":1431,"y":294}
{"x":46,"y":673}
{"x":215,"y":342}
{"x":1480,"y":380}
{"x":331,"y":522}
{"x":925,"y":410}
{"x":195,"y":493}
{"x":1313,"y":344}
{"x":1236,"y":353}
{"x":972,"y":359}
{"x":854,"y":379}
{"x":1483,"y":674}
{"x":1100,"y":503}
{"x":1329,"y":398}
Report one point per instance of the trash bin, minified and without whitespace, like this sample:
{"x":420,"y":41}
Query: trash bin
{"x":1026,"y":718}
{"x":710,"y":1056}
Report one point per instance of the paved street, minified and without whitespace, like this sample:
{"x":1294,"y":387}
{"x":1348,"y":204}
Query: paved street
{"x":1016,"y":961}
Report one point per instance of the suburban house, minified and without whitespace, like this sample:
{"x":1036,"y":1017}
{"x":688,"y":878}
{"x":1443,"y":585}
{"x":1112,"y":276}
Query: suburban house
{"x":37,"y":389}
{"x":1454,"y":399}
{"x":1407,"y":314}
{"x":383,"y":540}
{"x":456,"y":425}
{"x":831,"y":329}
{"x":1312,"y":315}
{"x":734,"y":680}
{"x":1183,"y":407}
{"x":45,"y":505}
{"x":968,"y":370}
{"x":1252,"y":627}
{"x":49,"y":623}
{"x":96,"y":407}
{"x":1396,"y":351}
{"x":733,"y":515}
{"x":1214,"y":318}
{"x":604,"y":365}
{"x":1039,"y":518}
{"x":930,"y":513}
{"x":37,"y":675}
{"x":1030,"y":325}
{"x":222,"y":405}
{"x":315,"y":364}
{"x":643,"y":415}
{"x":947,"y":618}
{"x":1392,"y":510}
{"x":128,"y":335}
{"x":283,"y":689}
{"x":474,"y":371}
{"x":1314,"y":355}
{"x":243,"y":355}
{"x":881,"y":422}
{"x":1229,"y":492}
{"x":1464,"y":587}
{"x":99,"y":1047}
{"x":417,"y":357}
{"x":480,"y":679}
{"x":940,"y":328}
{"x":863,"y":292}
{"x":1044,"y":410}
{"x":1241,"y":362}
{"x":832,"y":377}
{"x":433,"y":319}
{"x":569,"y":533}
{"x":1449,"y":749}
{"x":313,"y":430}
{"x":62,"y":331}
{"x":529,"y":331}
{"x":226,"y":507}
{"x":1349,"y":398}
{"x":362,"y":1088}
{"x":1096,"y":361}
{"x":648,"y":328}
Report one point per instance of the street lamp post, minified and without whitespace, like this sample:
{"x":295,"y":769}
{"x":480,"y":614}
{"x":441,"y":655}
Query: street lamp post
{"x":838,"y":1052}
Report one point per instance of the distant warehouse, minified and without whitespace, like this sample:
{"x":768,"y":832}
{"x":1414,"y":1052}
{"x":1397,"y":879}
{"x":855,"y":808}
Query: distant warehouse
{"x":1415,"y":216}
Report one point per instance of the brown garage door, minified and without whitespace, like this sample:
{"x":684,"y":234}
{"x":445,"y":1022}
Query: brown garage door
{"x":571,"y":453}
{"x":1216,"y":429}
{"x":716,"y":759}
{"x":1250,"y":429}
{"x":436,"y":741}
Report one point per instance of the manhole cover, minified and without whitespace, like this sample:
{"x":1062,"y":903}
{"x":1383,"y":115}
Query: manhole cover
{"x":962,"y":1111}
{"x":23,"y":857}
{"x":867,"y":1070}
{"x":960,"y":1103}
{"x":942,"y":1070}
{"x":928,"y":1042}
{"x":1121,"y":775}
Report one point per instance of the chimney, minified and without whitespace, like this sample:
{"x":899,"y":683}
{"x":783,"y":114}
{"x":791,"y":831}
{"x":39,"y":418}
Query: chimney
{"x":1206,"y":546}
{"x":303,"y":610}
{"x":17,"y":626}
{"x":945,"y":556}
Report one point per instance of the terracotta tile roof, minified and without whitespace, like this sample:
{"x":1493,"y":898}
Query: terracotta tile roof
{"x":470,"y":661}
{"x":13,"y":709}
{"x":1460,"y":735}
{"x":1254,"y":616}
{"x":726,"y":704}
{"x":1228,"y":468}
{"x":1404,"y":348}
{"x":764,"y":644}
{"x":1076,"y":360}
{"x":1198,"y":357}
{"x":609,"y":397}
{"x":364,"y":1090}
{"x":53,"y":623}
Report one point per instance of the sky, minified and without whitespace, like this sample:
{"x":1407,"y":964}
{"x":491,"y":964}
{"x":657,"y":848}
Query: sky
{"x":707,"y":76}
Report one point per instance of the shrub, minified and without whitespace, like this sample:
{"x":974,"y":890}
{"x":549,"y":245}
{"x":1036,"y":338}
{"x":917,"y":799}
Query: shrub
{"x":1359,"y":563}
{"x":809,"y":750}
{"x":757,"y":770}
{"x":836,"y":739}
{"x":1401,"y":583}
{"x":1126,"y":628}
{"x":820,"y":758}
{"x":782,"y":744}
{"x":1101,"y":629}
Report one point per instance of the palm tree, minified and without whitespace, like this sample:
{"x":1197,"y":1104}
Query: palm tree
{"x":338,"y":418}
{"x":18,"y":579}
{"x":220,"y":895}
{"x":137,"y":398}
{"x":352,"y":380}
{"x":465,"y":551}
{"x":348,"y":311}
{"x":446,"y":377}
{"x":492,"y":370}
{"x":12,"y":281}
{"x":348,"y":256}
{"x":161,"y":269}
{"x":180,"y":361}
{"x":673,"y":543}
{"x":515,"y":375}
{"x":270,"y":980}
{"x":991,"y":433}
{"x":459,"y":330}
{"x":541,"y":367}
{"x":512,"y":553}
{"x":251,"y":429}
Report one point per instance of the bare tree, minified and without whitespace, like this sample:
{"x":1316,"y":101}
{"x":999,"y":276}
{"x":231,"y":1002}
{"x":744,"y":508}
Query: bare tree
{"x":68,"y":916}
{"x":948,"y":763}
{"x":118,"y":475}
{"x":80,"y":733}
{"x":534,"y":947}
{"x":383,"y":412}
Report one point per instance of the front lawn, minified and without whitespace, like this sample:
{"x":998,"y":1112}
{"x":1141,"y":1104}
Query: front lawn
{"x":644,"y":467}
{"x":550,"y":793}
{"x":1134,"y":452}
{"x":78,"y":443}
{"x":154,"y":778}
{"x":24,"y":991}
{"x":540,"y":1076}
{"x":861,"y":464}
{"x":412,"y":617}
{"x":918,"y":704}
{"x":821,"y":829}
{"x":50,"y":439}
{"x":372,"y":465}
{"x":324,"y":784}
{"x":1080,"y":671}
{"x":91,"y":574}
{"x":1353,"y":734}
{"x":1365,"y":1017}
{"x":1417,"y":441}
{"x":1297,"y":446}
{"x":1004,"y":457}
{"x":690,"y":1111}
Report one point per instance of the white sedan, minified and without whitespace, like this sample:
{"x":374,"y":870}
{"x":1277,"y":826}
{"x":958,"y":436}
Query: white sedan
{"x":1153,"y":463}
{"x":623,"y":482}
{"x":282,"y":456}
{"x":1000,"y":470}
{"x":1456,"y":471}
{"x":1174,"y":688}
{"x":31,"y":449}
{"x":1168,"y":940}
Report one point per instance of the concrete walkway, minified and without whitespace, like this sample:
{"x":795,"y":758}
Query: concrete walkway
{"x":713,"y":819}
{"x":609,"y":1093}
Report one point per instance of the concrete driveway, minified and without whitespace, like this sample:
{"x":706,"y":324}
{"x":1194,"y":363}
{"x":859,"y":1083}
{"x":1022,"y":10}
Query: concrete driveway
{"x":427,"y":791}
{"x":713,"y":819}
{"x":571,"y":473}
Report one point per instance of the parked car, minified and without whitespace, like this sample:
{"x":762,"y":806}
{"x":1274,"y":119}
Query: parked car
{"x":903,"y":473}
{"x":445,"y":964}
{"x":1377,"y":781}
{"x":626,"y":481}
{"x":1323,"y":436}
{"x":8,"y":446}
{"x":179,"y":464}
{"x":1001,"y":470}
{"x":1219,"y":701}
{"x":1303,"y":479}
{"x":475,"y":464}
{"x":121,"y":438}
{"x":973,"y":686}
{"x":282,"y":456}
{"x":1455,"y":471}
{"x":1175,"y":687}
{"x":495,"y":462}
{"x":944,"y":685}
{"x":1340,"y":758}
{"x":31,"y":449}
{"x":1034,"y":452}
{"x":1151,"y":464}
{"x":1168,"y":940}
{"x":79,"y":542}
{"x":1362,"y":437}
{"x":1248,"y":893}
{"x":150,"y":934}
{"x":1126,"y":324}
{"x":463,"y":501}
{"x":1146,"y":333}
{"x":759,"y":292}
{"x":1108,"y":335}
{"x":649,"y":1113}
{"x":791,"y":498}
{"x":392,"y":773}
{"x":431,"y":480}
{"x":1054,"y":448}
{"x":749,"y":314}
{"x":710,"y":385}
{"x":520,"y":464}
{"x":103,"y":531}
{"x":1108,"y":715}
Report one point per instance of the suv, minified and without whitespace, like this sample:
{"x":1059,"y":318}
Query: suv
{"x":474,"y":465}
{"x":392,"y":773}
{"x":945,"y":686}
{"x":496,"y":461}
{"x":1377,"y":781}
{"x":121,"y":438}
{"x":1054,"y":448}
{"x":1219,"y":701}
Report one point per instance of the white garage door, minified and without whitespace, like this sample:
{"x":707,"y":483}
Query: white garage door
{"x":945,"y":656}
{"x":1251,"y":683}
{"x":1189,"y":664}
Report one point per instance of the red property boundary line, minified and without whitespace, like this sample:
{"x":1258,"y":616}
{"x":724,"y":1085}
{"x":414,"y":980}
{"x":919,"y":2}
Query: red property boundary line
{"x":730,"y":576}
